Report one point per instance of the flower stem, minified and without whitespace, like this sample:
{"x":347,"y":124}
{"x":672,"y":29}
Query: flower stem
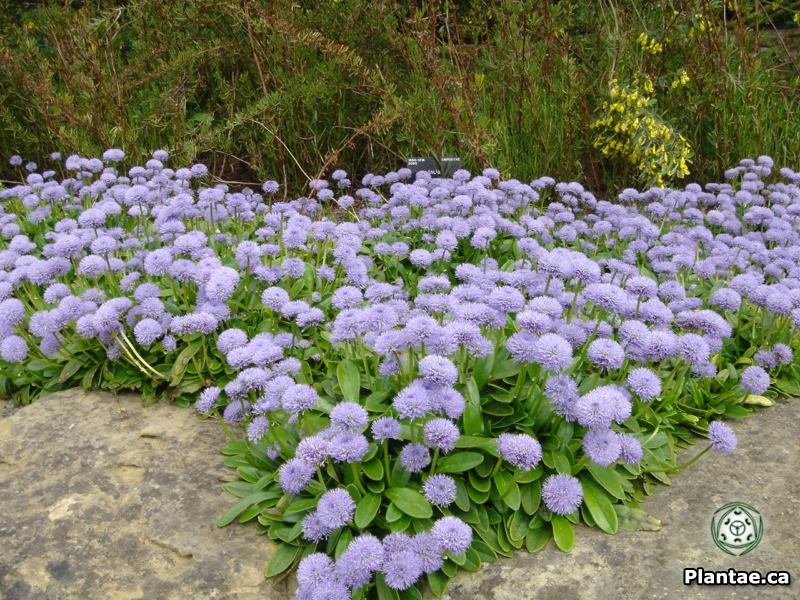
{"x":433,"y":462}
{"x":357,"y":479}
{"x":678,"y":468}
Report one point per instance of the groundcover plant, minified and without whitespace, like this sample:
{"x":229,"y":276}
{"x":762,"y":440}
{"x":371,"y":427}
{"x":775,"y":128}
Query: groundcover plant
{"x":422,"y":375}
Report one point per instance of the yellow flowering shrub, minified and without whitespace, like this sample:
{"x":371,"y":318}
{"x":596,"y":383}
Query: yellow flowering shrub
{"x":630,"y":127}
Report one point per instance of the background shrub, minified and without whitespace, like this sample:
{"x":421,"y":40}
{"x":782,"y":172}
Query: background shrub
{"x":277,"y":89}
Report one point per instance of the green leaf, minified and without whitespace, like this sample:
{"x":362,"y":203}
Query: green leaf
{"x":635,"y":519}
{"x":537,"y":538}
{"x":411,"y":593}
{"x":367,"y":509}
{"x":240,"y":489}
{"x":410,"y":502}
{"x":759,"y":400}
{"x":301,"y":505}
{"x":561,"y":463}
{"x":373,"y":469}
{"x":349,"y":380}
{"x":343,"y":543}
{"x":473,"y":395}
{"x":508,"y":488}
{"x":282,"y":559}
{"x":497,"y":409}
{"x":459,"y":462}
{"x":462,"y":496}
{"x":532,"y":475}
{"x":505,"y":369}
{"x":563,"y":533}
{"x":600,"y":507}
{"x":68,"y":371}
{"x":530,"y":496}
{"x":473,"y":419}
{"x":479,"y":483}
{"x":471,"y":441}
{"x":484,"y":551}
{"x":240,"y":507}
{"x":482,"y":369}
{"x":472,"y":562}
{"x":179,"y":367}
{"x":438,"y":582}
{"x":737,"y":412}
{"x":384,"y":591}
{"x":607,"y":478}
{"x":399,"y":476}
{"x":518,"y":526}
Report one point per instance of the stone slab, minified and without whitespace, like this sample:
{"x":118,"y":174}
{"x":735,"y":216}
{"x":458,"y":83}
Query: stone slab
{"x":100,"y":503}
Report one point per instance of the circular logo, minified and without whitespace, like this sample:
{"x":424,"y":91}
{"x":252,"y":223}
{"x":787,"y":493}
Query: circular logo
{"x":737,"y":528}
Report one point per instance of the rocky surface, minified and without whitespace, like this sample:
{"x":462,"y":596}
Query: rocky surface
{"x":103,"y":498}
{"x":763,"y":472}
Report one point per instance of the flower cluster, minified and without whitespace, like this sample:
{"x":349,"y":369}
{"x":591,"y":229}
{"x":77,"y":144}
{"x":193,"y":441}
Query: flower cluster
{"x":400,"y":558}
{"x":420,"y":386}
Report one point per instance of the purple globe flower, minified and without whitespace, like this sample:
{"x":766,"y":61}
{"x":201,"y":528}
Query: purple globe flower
{"x":721,"y":437}
{"x":257,"y":429}
{"x":429,"y":551}
{"x":439,"y":369}
{"x":562,"y":391}
{"x":386,"y":428}
{"x":314,"y":529}
{"x":348,"y":447}
{"x":349,"y":416}
{"x":313,"y":450}
{"x":562,"y":493}
{"x":299,"y":398}
{"x":597,"y":408}
{"x":521,"y":450}
{"x":335,"y":508}
{"x":553,"y":352}
{"x":631,"y":451}
{"x":783,"y":353}
{"x":414,"y":457}
{"x":522,"y":346}
{"x":147,"y":331}
{"x":452,"y":534}
{"x":606,"y":354}
{"x":314,"y":570}
{"x":441,"y":434}
{"x":413,"y":401}
{"x":362,"y":558}
{"x":602,"y":446}
{"x":222,"y":284}
{"x":231,"y":339}
{"x":402,"y":570}
{"x":644,"y":383}
{"x":397,"y":542}
{"x":13,"y":349}
{"x":12,"y":311}
{"x":294,"y":475}
{"x":440,"y":490}
{"x":755,"y":380}
{"x":274,"y":298}
{"x":347,"y":297}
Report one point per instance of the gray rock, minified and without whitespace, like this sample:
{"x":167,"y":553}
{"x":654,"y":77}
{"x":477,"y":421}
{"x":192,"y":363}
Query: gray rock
{"x":97,"y":504}
{"x":763,"y":472}
{"x":93,"y":505}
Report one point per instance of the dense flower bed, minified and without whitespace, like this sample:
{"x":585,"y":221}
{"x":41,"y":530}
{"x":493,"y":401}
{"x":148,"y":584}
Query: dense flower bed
{"x":428,"y":373}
